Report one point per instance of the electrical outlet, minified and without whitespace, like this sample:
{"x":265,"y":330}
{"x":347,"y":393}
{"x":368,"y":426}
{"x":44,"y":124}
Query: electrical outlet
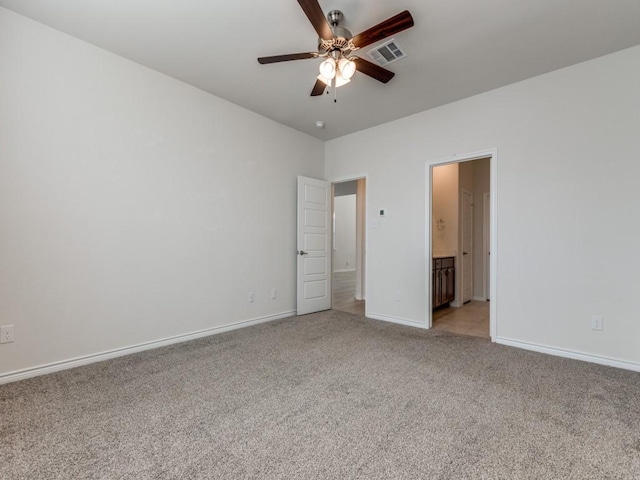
{"x":398,"y":297}
{"x":274,"y":294}
{"x":597,"y":322}
{"x":6,"y":334}
{"x":252,"y":297}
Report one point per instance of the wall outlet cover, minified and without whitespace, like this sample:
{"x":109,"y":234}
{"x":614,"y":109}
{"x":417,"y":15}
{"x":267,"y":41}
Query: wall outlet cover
{"x":597,"y":322}
{"x":7,"y":334}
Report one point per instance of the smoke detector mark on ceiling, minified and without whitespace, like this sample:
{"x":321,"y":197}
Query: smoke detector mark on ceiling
{"x":387,"y":53}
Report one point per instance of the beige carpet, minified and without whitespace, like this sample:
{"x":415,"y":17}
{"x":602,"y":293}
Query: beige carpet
{"x":328,"y":395}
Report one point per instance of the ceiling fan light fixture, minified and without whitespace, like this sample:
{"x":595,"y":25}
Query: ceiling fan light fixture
{"x":340,"y":80}
{"x":328,"y":69}
{"x":347,"y":68}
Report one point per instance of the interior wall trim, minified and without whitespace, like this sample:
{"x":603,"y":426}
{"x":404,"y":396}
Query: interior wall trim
{"x":120,"y":352}
{"x":401,"y":321}
{"x":575,"y":355}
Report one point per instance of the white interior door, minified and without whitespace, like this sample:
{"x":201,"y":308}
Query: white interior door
{"x":467,"y":246}
{"x":314,"y":252}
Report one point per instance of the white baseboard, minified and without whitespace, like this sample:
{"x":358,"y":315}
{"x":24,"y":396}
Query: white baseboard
{"x":119,"y":352}
{"x":560,"y":352}
{"x":401,"y":321}
{"x":343,"y":270}
{"x":479,"y":299}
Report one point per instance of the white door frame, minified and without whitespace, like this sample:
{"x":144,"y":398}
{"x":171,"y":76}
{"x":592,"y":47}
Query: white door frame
{"x":365,"y":279}
{"x":486,"y":247}
{"x":493,"y":188}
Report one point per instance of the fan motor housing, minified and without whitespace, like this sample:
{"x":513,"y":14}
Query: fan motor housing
{"x":341,"y":36}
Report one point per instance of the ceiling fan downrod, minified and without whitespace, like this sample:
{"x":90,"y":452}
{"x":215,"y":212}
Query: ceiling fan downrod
{"x":335,"y":17}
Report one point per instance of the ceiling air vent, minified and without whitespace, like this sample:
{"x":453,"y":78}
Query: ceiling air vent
{"x":386,"y":53}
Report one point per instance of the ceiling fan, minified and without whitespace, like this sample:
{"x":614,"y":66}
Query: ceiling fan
{"x":336,"y":44}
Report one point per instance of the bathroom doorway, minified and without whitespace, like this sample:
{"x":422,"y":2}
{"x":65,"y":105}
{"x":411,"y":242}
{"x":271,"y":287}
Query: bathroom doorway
{"x":461,"y":227}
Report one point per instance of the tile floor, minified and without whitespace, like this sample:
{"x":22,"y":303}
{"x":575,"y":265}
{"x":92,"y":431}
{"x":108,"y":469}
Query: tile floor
{"x":470,"y":319}
{"x":344,"y":293}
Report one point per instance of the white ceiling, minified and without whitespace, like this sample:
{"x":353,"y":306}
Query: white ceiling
{"x":457,"y":48}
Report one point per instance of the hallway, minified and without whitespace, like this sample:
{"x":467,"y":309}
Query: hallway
{"x":344,"y":293}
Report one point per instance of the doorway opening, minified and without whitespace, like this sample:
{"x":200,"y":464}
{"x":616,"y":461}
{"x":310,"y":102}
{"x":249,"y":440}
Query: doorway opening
{"x":460,"y":232}
{"x":348,"y":246}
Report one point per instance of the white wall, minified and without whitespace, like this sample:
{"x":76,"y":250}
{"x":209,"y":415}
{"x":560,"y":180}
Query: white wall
{"x":568,"y":149}
{"x":344,"y":255}
{"x":445,"y":209}
{"x":133,"y":207}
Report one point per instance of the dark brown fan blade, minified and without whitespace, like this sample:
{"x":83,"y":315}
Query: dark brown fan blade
{"x":374,"y":71}
{"x":392,"y":25}
{"x":286,"y":58}
{"x":316,"y":17}
{"x":318,"y":88}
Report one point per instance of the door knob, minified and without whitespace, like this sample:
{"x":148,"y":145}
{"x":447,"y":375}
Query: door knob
{"x":464,"y":253}
{"x":302,"y":252}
